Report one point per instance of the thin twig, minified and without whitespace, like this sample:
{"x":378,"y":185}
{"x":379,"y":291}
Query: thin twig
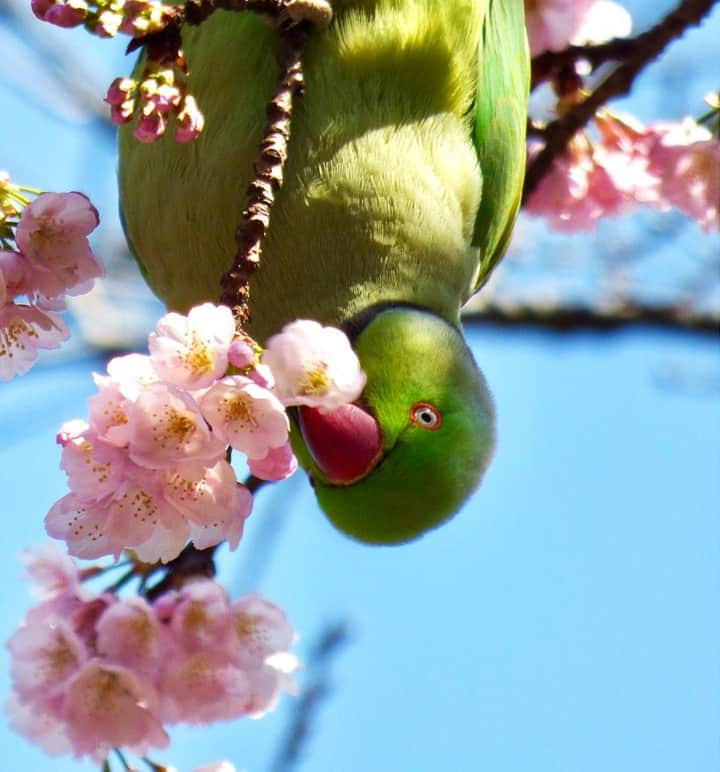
{"x":331,"y":641}
{"x":578,"y":318}
{"x":646,"y":48}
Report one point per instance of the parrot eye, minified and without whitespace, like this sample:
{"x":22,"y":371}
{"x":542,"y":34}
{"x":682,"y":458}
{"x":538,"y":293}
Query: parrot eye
{"x":425,"y":416}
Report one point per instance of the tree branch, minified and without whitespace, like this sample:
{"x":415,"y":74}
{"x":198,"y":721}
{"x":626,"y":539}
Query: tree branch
{"x":638,"y":53}
{"x":269,"y":168}
{"x":601,"y":319}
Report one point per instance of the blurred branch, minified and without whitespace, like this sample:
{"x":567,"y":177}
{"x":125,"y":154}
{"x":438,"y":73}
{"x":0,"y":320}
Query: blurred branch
{"x":567,"y":318}
{"x":332,"y":639}
{"x":637,"y":53}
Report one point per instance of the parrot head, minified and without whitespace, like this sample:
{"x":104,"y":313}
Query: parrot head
{"x":404,"y":458}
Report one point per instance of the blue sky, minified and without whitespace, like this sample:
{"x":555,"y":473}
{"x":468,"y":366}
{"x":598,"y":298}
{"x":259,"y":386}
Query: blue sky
{"x":565,"y":621}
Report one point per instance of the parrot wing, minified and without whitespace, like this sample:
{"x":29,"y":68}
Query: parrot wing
{"x":503,"y":86}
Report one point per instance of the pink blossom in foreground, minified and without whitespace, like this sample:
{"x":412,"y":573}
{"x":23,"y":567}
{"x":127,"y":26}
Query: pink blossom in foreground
{"x":24,"y":329}
{"x":314,"y":365}
{"x":167,"y":428}
{"x":192,"y":351}
{"x":132,"y":373}
{"x":95,"y":469}
{"x":148,"y":471}
{"x":52,"y":236}
{"x":246,"y":416}
{"x":62,"y":13}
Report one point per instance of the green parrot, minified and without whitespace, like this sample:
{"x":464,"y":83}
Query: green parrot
{"x":401,"y":189}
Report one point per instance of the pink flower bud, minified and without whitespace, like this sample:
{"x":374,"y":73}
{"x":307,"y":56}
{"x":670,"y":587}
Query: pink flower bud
{"x":151,"y":126}
{"x":65,"y":13}
{"x":122,"y":113}
{"x":241,"y":354}
{"x":190,"y":121}
{"x":120,"y":90}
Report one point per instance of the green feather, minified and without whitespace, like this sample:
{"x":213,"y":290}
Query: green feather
{"x":503,"y":87}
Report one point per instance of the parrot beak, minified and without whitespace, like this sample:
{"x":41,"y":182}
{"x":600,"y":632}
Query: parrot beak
{"x":345,"y":443}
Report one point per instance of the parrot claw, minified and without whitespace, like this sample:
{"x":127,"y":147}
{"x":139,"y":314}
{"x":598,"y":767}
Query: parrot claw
{"x":318,"y":12}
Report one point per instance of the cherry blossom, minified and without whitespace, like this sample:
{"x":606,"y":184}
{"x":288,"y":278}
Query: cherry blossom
{"x":52,"y":236}
{"x":192,"y":351}
{"x":314,"y":365}
{"x":24,"y":329}
{"x":53,"y":573}
{"x":95,"y":469}
{"x":45,"y":656}
{"x":167,"y":428}
{"x":128,"y":633}
{"x":110,"y":672}
{"x":108,"y":706}
{"x":246,"y":416}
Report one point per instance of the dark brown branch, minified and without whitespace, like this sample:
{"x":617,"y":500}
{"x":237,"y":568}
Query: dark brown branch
{"x":269,"y":175}
{"x":579,"y":318}
{"x":645,"y":48}
{"x":190,"y":563}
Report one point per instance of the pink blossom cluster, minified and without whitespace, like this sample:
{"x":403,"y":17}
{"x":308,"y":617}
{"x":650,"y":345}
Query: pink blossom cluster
{"x":92,"y":672}
{"x":106,"y":18}
{"x":149,"y":469}
{"x":553,"y":25}
{"x":664,"y":165}
{"x":44,"y":255}
{"x":160,"y":93}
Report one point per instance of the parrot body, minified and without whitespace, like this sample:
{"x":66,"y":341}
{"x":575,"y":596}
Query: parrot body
{"x":401,"y":187}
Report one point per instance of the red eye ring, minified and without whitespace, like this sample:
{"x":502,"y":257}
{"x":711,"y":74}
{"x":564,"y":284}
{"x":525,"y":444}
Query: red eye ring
{"x":426,"y":416}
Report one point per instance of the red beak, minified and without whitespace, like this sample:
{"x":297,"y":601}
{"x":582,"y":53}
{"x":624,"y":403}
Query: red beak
{"x":345,"y":443}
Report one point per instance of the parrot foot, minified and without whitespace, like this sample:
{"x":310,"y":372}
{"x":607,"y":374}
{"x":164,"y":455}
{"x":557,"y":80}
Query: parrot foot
{"x":317,"y":12}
